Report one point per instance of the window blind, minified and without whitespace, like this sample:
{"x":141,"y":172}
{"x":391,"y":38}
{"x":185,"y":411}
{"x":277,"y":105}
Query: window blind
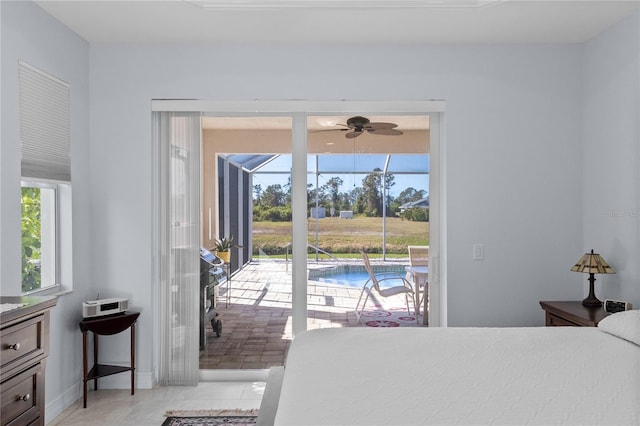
{"x":44,"y":124}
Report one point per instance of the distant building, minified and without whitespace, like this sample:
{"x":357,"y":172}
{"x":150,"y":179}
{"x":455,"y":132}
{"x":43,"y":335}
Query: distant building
{"x":346,"y":214}
{"x":423,"y":203}
{"x":318,"y":212}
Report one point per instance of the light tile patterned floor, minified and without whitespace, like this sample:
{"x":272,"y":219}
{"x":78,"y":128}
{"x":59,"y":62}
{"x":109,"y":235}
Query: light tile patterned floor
{"x":256,"y":323}
{"x":109,"y":407}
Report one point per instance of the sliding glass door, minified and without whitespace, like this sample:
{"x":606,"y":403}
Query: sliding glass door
{"x":368,"y":189}
{"x":178,"y":199}
{"x":246,"y":173}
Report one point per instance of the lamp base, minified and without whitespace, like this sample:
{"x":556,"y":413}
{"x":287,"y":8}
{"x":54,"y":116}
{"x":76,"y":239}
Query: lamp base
{"x":591,"y":301}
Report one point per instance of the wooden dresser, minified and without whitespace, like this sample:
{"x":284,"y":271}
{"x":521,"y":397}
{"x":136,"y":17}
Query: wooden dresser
{"x":24,"y":341}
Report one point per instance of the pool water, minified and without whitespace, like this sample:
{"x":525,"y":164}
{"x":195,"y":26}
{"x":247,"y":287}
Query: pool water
{"x":354,"y":276}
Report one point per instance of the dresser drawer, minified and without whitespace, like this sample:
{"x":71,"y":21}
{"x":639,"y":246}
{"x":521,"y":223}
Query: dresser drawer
{"x":22,"y":342}
{"x":556,"y":321}
{"x":21,"y":397}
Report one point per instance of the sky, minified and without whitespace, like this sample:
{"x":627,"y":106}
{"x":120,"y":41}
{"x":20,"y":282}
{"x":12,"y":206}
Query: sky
{"x":351,"y":169}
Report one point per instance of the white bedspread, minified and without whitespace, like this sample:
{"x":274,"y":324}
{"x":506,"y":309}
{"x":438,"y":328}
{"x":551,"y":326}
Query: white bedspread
{"x":461,"y":376}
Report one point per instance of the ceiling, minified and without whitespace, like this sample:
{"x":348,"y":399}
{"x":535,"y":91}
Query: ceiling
{"x":314,"y":123}
{"x":326,"y":135}
{"x":339,"y":21}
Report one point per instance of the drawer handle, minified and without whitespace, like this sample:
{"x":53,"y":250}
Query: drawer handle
{"x":15,"y":346}
{"x":25,"y":397}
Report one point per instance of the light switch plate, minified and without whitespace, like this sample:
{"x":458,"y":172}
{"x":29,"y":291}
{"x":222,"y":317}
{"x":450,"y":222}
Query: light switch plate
{"x":478,"y":252}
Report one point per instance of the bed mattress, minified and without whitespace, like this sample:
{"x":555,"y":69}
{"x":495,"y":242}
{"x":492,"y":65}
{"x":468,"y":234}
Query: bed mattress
{"x":460,"y":376}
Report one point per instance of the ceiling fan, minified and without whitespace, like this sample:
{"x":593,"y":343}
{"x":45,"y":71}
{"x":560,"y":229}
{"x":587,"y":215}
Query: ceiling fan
{"x":358,"y":125}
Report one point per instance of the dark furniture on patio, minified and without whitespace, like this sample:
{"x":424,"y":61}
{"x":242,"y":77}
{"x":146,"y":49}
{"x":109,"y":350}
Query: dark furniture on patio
{"x":211,"y":273}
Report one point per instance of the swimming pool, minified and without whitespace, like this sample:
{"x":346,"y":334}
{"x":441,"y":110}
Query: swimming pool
{"x":354,"y":275}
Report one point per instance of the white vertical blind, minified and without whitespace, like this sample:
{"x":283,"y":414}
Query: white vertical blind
{"x":44,"y":124}
{"x":178,"y":136}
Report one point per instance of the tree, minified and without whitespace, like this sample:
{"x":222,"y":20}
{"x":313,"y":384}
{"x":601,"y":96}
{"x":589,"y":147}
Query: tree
{"x":372,"y":190}
{"x":371,"y":195}
{"x":311,"y":196}
{"x":257,"y":194}
{"x":333,"y":186}
{"x":320,"y":195}
{"x":359,"y":204}
{"x":273,"y":196}
{"x":31,"y":278}
{"x":346,"y":201}
{"x":389,"y":181}
{"x":287,"y":192}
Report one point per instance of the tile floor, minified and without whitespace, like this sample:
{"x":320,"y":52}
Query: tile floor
{"x":256,"y":321}
{"x":108,"y":407}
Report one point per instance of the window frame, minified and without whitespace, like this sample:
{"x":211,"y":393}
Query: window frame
{"x":61,"y":255}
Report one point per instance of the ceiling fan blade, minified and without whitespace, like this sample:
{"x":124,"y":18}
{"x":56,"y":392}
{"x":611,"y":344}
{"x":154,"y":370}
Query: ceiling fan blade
{"x":380,"y":125}
{"x":353,"y":134}
{"x":387,"y":132}
{"x":328,"y":130}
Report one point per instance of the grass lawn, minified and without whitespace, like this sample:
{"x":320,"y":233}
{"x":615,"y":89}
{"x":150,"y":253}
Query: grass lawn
{"x":341,"y":236}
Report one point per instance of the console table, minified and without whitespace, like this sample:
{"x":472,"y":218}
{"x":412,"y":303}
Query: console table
{"x":101,"y":326}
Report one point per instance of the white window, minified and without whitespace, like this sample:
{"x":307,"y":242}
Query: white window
{"x":39,"y":239}
{"x":46,"y":180}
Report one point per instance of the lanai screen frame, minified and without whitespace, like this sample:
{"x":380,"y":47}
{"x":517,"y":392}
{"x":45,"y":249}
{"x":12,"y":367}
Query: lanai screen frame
{"x":250,"y":164}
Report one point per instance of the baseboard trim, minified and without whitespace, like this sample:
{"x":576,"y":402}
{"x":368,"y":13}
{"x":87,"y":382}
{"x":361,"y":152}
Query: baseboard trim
{"x":123,"y":381}
{"x":74,"y":394}
{"x":65,"y":400}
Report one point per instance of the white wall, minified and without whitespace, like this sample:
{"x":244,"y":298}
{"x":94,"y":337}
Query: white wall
{"x":611,"y":190}
{"x":31,"y":35}
{"x":512,"y":123}
{"x":514,"y":157}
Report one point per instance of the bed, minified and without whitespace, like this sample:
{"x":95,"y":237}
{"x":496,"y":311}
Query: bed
{"x":461,"y":376}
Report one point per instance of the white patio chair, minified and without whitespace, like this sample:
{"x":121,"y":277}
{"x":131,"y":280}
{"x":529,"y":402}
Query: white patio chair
{"x":373,"y":283}
{"x":418,"y":256}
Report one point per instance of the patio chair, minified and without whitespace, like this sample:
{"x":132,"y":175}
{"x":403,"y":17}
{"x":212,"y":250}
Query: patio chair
{"x":418,"y":256}
{"x":373,"y":283}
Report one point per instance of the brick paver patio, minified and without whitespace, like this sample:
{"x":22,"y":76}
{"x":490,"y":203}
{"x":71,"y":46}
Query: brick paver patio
{"x":256,"y":321}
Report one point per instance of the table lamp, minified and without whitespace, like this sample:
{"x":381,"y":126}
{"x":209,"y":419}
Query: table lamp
{"x":592,"y":263}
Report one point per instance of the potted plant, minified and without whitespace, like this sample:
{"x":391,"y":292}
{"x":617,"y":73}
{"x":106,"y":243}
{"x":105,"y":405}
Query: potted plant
{"x":223,"y":247}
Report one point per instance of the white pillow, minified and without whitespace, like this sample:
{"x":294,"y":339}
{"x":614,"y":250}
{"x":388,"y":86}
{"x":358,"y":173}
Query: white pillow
{"x":625,"y":324}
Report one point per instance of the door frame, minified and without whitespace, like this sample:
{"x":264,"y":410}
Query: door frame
{"x":298,"y":111}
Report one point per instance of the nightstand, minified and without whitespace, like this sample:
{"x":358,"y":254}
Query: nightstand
{"x":572,"y":314}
